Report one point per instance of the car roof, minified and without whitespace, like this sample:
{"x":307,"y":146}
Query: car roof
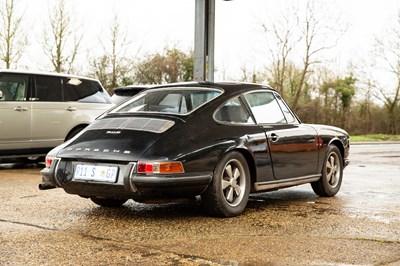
{"x":45,"y":74}
{"x":228,"y":86}
{"x":126,"y":90}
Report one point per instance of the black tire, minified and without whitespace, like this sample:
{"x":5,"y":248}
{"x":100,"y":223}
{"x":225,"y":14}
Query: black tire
{"x":38,"y":159}
{"x":332,"y":173}
{"x":228,"y":193}
{"x":107,"y":202}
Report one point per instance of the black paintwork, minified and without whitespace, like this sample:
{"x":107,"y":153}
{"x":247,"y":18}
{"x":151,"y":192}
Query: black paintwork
{"x":199,"y":142}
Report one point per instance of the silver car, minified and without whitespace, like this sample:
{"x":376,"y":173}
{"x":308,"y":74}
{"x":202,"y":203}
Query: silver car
{"x":39,"y":111}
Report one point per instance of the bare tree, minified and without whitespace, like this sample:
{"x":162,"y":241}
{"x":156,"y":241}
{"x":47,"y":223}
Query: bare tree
{"x":13,"y":40}
{"x":281,"y":40}
{"x":63,"y":43}
{"x":114,"y":67}
{"x":119,"y":45}
{"x":302,"y":33}
{"x":388,"y":55}
{"x":316,"y":37}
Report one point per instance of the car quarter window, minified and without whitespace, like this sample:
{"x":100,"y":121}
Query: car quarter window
{"x":233,"y":111}
{"x":291,"y":119}
{"x":265,"y":107}
{"x":13,"y":87}
{"x":48,"y":88}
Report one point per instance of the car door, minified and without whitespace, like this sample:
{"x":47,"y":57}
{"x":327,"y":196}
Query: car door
{"x":85,"y":99}
{"x":62,"y":104}
{"x":293,"y":146}
{"x":50,"y":119}
{"x":15,"y":114}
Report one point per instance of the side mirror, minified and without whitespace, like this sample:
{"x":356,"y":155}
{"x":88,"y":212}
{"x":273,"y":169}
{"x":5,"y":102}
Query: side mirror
{"x":1,"y":95}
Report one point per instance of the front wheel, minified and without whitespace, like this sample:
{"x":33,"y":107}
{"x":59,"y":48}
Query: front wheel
{"x":332,"y":172}
{"x":107,"y":202}
{"x":229,"y":191}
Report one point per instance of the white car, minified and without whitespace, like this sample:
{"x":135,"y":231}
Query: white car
{"x":39,"y":111}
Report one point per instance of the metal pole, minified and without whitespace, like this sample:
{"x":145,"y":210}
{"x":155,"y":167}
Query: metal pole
{"x":211,"y":39}
{"x":200,"y":33}
{"x":204,"y":36}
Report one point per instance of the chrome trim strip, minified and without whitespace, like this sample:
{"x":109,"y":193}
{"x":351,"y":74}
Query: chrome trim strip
{"x":53,"y":171}
{"x":132,"y":172}
{"x":276,"y":184}
{"x":165,"y":180}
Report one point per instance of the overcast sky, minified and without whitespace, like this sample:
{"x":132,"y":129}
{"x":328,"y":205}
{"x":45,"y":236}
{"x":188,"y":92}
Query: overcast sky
{"x":153,"y":24}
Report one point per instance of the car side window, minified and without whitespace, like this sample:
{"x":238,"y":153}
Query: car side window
{"x":265,"y":107}
{"x":233,"y":111}
{"x":82,"y":90}
{"x":48,"y":88}
{"x":13,"y":87}
{"x":291,"y":119}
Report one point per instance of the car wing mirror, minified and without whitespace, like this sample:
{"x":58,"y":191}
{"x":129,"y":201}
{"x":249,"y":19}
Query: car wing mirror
{"x":1,"y":94}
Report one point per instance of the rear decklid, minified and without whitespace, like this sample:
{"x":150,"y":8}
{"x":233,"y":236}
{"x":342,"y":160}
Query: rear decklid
{"x":123,"y":138}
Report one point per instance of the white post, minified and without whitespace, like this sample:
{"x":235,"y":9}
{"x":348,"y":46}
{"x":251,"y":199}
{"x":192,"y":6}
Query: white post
{"x":204,"y":40}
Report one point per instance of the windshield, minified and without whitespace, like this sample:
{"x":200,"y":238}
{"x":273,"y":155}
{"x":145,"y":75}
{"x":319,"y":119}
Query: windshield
{"x":169,"y":100}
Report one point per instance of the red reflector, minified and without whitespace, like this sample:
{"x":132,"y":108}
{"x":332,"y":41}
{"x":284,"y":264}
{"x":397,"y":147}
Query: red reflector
{"x":49,"y":160}
{"x":141,"y":167}
{"x":149,"y":168}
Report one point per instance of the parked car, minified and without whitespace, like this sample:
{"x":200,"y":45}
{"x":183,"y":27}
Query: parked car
{"x":123,"y":93}
{"x":39,"y":111}
{"x":221,"y":141}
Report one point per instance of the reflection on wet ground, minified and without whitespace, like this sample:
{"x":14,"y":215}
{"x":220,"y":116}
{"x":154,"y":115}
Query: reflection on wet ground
{"x":360,"y":226}
{"x":21,"y":165}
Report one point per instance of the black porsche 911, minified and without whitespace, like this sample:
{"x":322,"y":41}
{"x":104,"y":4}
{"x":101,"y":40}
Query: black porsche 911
{"x":219,"y":141}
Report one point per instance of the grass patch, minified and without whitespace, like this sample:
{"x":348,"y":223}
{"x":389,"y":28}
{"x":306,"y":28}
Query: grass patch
{"x":375,"y":137}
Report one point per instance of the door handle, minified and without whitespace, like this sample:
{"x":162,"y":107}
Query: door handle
{"x":71,"y":109}
{"x":273,"y":137}
{"x":21,"y":109}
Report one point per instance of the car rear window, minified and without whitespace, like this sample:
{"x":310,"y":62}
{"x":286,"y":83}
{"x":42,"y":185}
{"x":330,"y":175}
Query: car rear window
{"x":90,"y":91}
{"x":176,"y":101}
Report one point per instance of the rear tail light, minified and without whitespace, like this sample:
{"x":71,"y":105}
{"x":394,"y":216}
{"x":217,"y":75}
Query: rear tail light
{"x":49,"y":160}
{"x":160,"y":168}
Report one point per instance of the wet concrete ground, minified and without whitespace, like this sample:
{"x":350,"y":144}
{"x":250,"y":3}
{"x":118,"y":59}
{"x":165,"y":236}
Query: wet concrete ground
{"x":360,"y":226}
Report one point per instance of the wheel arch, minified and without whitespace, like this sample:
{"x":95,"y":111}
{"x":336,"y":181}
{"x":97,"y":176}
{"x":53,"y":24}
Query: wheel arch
{"x":250,"y":163}
{"x":74,"y":130}
{"x":339,"y":145}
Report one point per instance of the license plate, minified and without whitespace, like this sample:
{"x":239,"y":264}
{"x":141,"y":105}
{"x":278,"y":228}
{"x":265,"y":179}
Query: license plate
{"x":96,"y":173}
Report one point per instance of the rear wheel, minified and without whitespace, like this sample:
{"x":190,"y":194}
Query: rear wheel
{"x":332,"y":172}
{"x":228,"y":193}
{"x":108,"y":202}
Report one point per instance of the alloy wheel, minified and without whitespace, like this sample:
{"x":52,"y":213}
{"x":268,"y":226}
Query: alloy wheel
{"x":333,"y":169}
{"x":233,"y":182}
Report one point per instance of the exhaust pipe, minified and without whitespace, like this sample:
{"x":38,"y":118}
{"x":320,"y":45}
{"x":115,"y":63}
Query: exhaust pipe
{"x":45,"y":186}
{"x":46,"y":180}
